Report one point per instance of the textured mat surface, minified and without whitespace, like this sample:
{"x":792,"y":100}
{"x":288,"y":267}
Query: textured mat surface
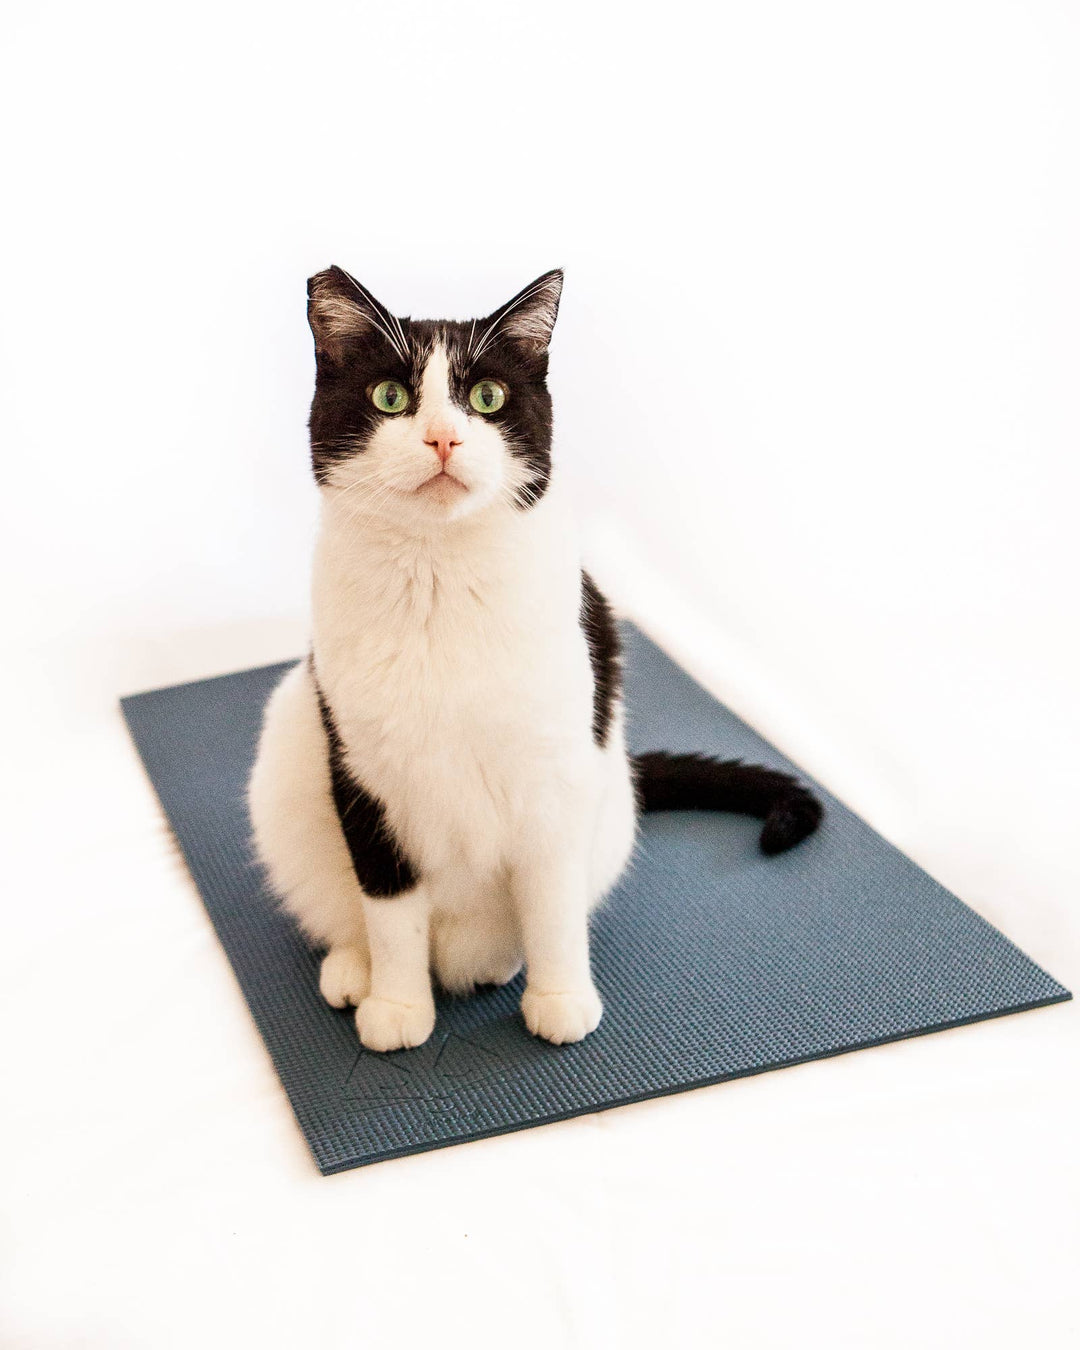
{"x":712,"y":960}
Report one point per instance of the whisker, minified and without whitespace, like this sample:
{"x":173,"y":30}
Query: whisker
{"x":377,"y":313}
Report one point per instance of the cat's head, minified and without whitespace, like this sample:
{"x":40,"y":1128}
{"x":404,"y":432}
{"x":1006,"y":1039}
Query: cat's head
{"x":423,"y":422}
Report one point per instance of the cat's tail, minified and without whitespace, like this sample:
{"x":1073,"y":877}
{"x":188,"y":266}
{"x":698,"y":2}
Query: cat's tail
{"x":667,"y":782}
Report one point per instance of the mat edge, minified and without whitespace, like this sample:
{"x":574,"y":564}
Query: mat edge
{"x":453,"y":1141}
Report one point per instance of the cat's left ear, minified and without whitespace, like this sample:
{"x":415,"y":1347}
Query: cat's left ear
{"x":527,"y":319}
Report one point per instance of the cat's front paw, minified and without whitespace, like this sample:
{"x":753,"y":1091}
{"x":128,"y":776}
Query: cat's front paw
{"x":344,"y":976}
{"x":562,"y":1018}
{"x":384,"y":1025}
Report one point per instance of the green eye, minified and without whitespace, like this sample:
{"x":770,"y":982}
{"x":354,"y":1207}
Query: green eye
{"x":390,"y":397}
{"x":488,"y":396}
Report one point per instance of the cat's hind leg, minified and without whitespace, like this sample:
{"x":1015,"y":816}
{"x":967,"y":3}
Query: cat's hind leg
{"x":345,"y":976}
{"x":299,"y":842}
{"x":475,"y":938}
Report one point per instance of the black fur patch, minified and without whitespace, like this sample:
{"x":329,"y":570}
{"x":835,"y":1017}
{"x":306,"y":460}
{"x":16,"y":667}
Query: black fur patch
{"x":380,"y":347}
{"x":381,"y":868}
{"x":667,"y":782}
{"x":605,"y":654}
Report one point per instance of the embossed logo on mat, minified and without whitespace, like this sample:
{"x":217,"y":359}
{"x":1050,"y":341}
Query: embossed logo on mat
{"x":433,"y":1073}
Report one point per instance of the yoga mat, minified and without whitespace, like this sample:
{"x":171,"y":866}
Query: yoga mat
{"x":712,"y":960}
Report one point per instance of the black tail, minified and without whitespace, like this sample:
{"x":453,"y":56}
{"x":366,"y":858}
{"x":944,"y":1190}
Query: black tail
{"x":668,"y":782}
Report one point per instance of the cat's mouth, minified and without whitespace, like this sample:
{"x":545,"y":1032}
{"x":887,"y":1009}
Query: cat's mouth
{"x":442,"y":485}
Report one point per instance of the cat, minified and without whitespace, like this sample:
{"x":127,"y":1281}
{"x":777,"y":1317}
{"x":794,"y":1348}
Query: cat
{"x":442,"y":788}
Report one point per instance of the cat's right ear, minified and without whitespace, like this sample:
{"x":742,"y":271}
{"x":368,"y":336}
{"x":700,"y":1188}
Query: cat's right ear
{"x":341,"y":311}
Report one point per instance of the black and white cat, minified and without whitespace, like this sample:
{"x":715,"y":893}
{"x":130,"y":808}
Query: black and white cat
{"x":443,"y":788}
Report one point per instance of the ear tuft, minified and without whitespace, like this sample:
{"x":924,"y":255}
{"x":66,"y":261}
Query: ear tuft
{"x":333,"y":313}
{"x":528,"y":318}
{"x":340,"y":310}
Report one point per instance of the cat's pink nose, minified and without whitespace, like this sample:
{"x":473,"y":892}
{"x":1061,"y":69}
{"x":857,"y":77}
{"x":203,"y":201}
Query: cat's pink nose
{"x":443,"y":439}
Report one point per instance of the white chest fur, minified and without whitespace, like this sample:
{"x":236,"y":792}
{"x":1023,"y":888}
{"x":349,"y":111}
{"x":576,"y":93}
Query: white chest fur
{"x":458,"y":675}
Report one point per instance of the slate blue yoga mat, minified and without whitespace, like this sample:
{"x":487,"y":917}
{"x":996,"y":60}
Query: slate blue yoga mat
{"x":712,"y":960}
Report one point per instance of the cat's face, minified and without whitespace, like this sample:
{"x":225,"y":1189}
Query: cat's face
{"x":423,"y":422}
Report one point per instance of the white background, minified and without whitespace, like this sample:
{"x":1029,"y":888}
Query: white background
{"x":815,"y":378}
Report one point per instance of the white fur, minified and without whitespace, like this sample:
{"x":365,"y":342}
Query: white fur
{"x":447,"y":642}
